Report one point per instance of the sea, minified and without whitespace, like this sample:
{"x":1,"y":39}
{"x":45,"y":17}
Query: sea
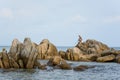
{"x":102,"y":71}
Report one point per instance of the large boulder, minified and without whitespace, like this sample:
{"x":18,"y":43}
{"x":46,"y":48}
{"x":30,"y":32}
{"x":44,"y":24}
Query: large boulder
{"x":118,"y":58}
{"x":109,"y":58}
{"x":53,"y":61}
{"x":45,"y":49}
{"x":4,"y":59}
{"x":23,"y":55}
{"x":15,"y":49}
{"x":62,"y":54}
{"x":58,"y":62}
{"x":92,"y":46}
{"x":29,"y":53}
{"x":75,"y":54}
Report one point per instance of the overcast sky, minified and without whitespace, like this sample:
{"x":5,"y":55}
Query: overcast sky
{"x":60,"y":21}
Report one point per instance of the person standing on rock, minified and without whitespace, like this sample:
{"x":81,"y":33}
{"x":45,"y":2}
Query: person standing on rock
{"x":80,"y":39}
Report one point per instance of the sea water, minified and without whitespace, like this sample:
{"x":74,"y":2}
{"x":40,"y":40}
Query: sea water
{"x":102,"y":71}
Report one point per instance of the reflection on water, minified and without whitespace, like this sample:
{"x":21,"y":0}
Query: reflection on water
{"x":102,"y":71}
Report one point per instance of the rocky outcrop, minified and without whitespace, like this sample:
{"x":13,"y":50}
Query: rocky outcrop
{"x":26,"y":54}
{"x":91,"y":50}
{"x":46,"y":50}
{"x":21,"y":55}
{"x":92,"y":46}
{"x":29,"y":53}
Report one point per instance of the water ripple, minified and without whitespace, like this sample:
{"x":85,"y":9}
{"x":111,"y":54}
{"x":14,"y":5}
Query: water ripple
{"x":102,"y":71}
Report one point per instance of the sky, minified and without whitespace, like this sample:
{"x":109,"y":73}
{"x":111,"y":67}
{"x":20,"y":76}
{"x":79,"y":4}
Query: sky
{"x":60,"y":21}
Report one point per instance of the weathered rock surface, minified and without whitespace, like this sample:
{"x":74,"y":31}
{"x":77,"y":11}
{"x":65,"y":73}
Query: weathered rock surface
{"x":62,"y":54}
{"x":59,"y":63}
{"x":15,"y":49}
{"x":92,"y":46}
{"x":82,"y":67}
{"x":4,"y":59}
{"x":21,"y":55}
{"x":91,"y":50}
{"x":109,"y":58}
{"x":26,"y":54}
{"x":109,"y":52}
{"x":74,"y":54}
{"x":46,"y":50}
{"x":118,"y":58}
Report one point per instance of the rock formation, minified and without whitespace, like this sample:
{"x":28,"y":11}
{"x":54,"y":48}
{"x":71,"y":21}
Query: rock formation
{"x":91,"y":50}
{"x":26,"y":55}
{"x":92,"y":46}
{"x":46,"y":50}
{"x":21,"y":55}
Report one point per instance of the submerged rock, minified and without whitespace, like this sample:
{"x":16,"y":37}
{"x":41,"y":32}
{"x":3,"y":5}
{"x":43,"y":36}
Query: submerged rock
{"x":82,"y":67}
{"x":58,"y":63}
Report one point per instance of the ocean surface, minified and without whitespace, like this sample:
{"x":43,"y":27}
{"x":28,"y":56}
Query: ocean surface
{"x":102,"y":71}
